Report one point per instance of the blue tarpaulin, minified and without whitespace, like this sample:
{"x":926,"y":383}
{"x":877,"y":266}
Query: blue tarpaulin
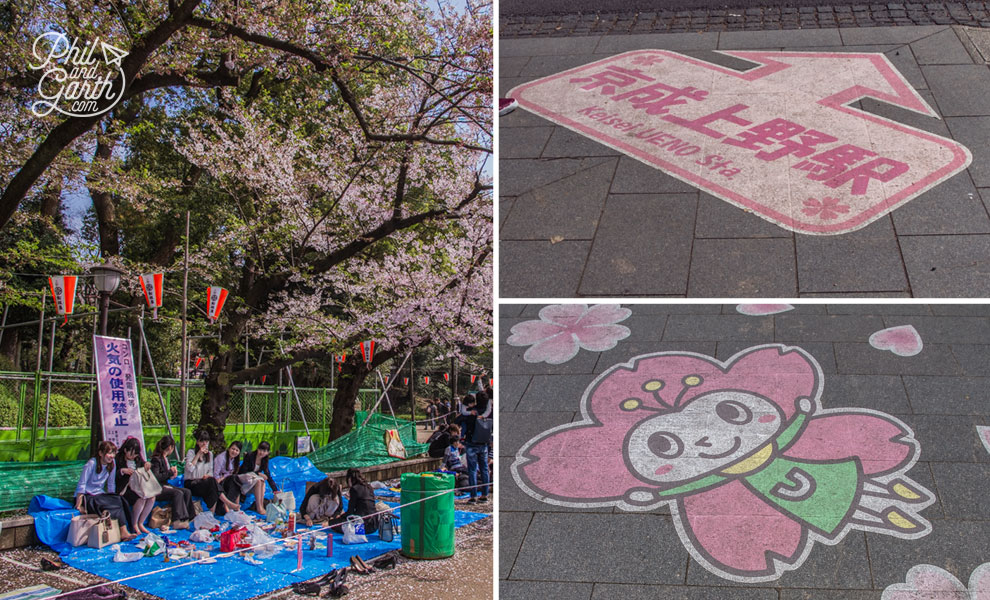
{"x":229,"y":578}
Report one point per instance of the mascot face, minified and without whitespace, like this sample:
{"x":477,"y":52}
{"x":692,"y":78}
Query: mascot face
{"x":709,"y":433}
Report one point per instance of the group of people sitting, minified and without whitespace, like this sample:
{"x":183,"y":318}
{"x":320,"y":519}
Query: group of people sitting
{"x":222,"y":483}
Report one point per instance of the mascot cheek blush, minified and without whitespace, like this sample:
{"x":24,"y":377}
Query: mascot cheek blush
{"x":753,"y":469}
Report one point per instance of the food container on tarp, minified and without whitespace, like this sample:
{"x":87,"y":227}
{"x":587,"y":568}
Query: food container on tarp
{"x":428,"y":526}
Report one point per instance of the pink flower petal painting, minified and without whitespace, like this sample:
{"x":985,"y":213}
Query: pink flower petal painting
{"x":752,"y":468}
{"x":902,"y":341}
{"x":928,"y":582}
{"x":563,"y":329}
{"x":759,"y":310}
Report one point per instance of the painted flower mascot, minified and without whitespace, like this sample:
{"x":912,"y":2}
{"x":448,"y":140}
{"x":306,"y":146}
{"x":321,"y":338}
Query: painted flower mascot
{"x":754,"y":470}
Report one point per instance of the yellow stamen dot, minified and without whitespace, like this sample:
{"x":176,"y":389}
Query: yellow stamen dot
{"x":692,"y":380}
{"x":752,"y":463}
{"x":905,"y":492}
{"x":897,"y":519}
{"x":652,"y":386}
{"x":630,"y":404}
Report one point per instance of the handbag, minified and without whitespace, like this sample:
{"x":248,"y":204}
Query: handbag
{"x":160,"y":517}
{"x":482,"y":432}
{"x":104,"y":532}
{"x":144,"y":484}
{"x":79,"y":529}
{"x":385,"y":532}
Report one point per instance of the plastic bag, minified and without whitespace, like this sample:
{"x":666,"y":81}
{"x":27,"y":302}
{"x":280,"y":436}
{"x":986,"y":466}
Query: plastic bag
{"x":354,"y":531}
{"x":275,"y":512}
{"x":119,"y":556}
{"x":259,"y":537}
{"x":152,"y":545}
{"x":205,"y":520}
{"x":378,"y":485}
{"x":238,"y":517}
{"x":200,"y":536}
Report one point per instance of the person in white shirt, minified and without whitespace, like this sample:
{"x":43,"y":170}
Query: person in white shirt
{"x":198,"y":477}
{"x":97,"y":490}
{"x":225,"y":469}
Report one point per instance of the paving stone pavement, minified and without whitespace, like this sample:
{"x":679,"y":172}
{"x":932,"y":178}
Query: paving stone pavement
{"x":941,"y":394}
{"x":580,"y":219}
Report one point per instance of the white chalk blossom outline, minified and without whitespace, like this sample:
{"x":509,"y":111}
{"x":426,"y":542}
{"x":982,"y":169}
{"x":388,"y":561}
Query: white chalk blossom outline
{"x":928,"y":582}
{"x":564,"y":329}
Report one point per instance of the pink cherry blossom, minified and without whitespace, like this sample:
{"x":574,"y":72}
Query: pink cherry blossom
{"x":563,"y":329}
{"x":826,"y":209}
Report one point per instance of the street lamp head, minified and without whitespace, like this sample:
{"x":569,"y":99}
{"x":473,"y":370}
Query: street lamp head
{"x":106,"y":277}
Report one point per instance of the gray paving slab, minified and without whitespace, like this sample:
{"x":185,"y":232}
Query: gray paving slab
{"x":546,"y":46}
{"x":523,"y":142}
{"x":828,"y":328}
{"x":621,"y":548}
{"x":541,"y":269}
{"x":798,"y":594}
{"x":520,"y":176}
{"x":985,"y":196}
{"x":775,"y":39}
{"x":856,"y":295}
{"x":644,"y":327}
{"x":554,"y":393}
{"x":822,"y":351}
{"x":678,"y":42}
{"x":719,"y":219}
{"x":541,"y":66}
{"x":625,"y":351}
{"x":934,"y":125}
{"x":887,"y":35}
{"x":961,"y":310}
{"x":947,"y":266}
{"x":951,"y":207}
{"x":863,"y":359}
{"x":973,"y":132}
{"x":903,"y":61}
{"x":890,"y":558}
{"x":504,"y":208}
{"x":567,"y":209}
{"x":878,"y":309}
{"x":635,"y":177}
{"x":674,"y":309}
{"x":565,"y":143}
{"x":510,"y":310}
{"x":642,"y":246}
{"x":694,"y":328}
{"x":743,"y":268}
{"x":611,"y":591}
{"x":947,"y":438}
{"x":974,"y":359}
{"x":511,"y":531}
{"x":961,"y":90}
{"x":510,"y":66}
{"x":865,"y":260}
{"x":942,"y":48}
{"x":839,"y":567}
{"x":519,"y":117}
{"x":878,"y":392}
{"x":511,"y":389}
{"x":962,"y":488}
{"x":533,"y":590}
{"x":946,"y":330}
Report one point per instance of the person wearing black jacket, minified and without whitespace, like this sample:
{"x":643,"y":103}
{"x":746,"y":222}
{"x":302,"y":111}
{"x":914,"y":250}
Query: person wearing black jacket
{"x":360,"y":501}
{"x":439,"y":442}
{"x":179,"y":498}
{"x":254,"y":474}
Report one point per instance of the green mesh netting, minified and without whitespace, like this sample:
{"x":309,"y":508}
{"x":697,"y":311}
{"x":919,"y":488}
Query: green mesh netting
{"x":365,"y":446}
{"x":19,"y":482}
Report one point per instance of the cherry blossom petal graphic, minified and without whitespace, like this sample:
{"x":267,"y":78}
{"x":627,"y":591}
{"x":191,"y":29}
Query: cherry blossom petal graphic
{"x":564,"y":329}
{"x":903,"y":340}
{"x":553,"y":350}
{"x":882,"y":443}
{"x":758,"y":310}
{"x":564,"y":314}
{"x":984,"y":433}
{"x":531,"y":332}
{"x":927,"y":582}
{"x":604,"y":314}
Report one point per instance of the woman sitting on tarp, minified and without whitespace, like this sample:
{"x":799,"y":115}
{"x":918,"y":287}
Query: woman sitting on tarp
{"x":97,"y":490}
{"x":360,"y":501}
{"x":323,"y":502}
{"x":180,"y":499}
{"x":225,"y":469}
{"x":254,"y":474}
{"x":129,"y":460}
{"x":198,"y":477}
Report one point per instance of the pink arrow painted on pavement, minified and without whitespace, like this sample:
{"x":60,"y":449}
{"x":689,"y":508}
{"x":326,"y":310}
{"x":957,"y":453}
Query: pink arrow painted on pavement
{"x":780,"y":139}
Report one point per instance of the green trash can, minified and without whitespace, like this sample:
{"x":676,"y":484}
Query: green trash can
{"x":428,"y":526}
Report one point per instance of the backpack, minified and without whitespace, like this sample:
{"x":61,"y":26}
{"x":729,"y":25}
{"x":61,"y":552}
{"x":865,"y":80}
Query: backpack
{"x":482,"y":435}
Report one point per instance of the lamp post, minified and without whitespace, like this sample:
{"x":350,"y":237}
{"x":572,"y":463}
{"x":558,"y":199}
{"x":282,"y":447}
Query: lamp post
{"x":106,"y":278}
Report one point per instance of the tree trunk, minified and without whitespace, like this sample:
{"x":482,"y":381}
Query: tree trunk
{"x":348,"y":386}
{"x":216,"y":400}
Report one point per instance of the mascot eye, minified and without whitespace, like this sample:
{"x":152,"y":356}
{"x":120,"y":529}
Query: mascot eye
{"x":664,"y":444}
{"x":734,"y":412}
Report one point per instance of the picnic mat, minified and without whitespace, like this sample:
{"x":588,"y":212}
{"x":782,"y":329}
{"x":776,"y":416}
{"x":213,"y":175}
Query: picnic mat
{"x":231,"y":578}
